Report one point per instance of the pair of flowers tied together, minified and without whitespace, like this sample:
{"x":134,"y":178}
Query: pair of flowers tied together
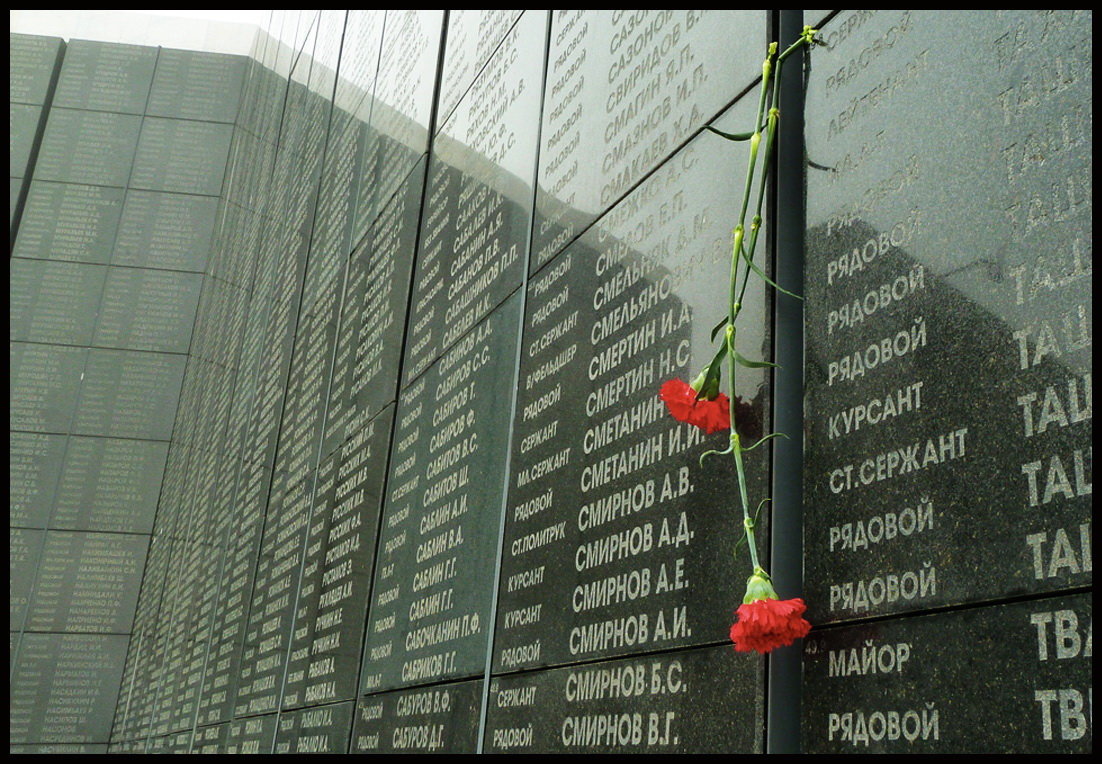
{"x":764,"y":620}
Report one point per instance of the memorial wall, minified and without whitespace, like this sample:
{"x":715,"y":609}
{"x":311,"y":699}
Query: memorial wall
{"x":334,"y":414}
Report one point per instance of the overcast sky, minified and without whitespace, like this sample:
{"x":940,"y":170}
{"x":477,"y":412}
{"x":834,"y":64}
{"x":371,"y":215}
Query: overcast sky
{"x":222,"y":31}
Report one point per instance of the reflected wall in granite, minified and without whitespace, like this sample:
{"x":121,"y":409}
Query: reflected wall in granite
{"x":949,"y":374}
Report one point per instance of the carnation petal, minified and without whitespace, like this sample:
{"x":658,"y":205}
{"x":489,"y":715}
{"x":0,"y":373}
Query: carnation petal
{"x":764,"y":625}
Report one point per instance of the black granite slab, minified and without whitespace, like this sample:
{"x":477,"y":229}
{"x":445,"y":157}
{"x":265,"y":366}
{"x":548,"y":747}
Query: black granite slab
{"x":708,"y":700}
{"x":109,"y":484}
{"x":234,"y":250}
{"x":472,"y":37}
{"x":253,"y":694}
{"x":182,"y":156}
{"x":66,"y":221}
{"x":53,"y":301}
{"x":34,"y":466}
{"x":197,"y":85}
{"x":221,"y":677}
{"x":328,"y":49}
{"x":64,"y":687}
{"x":15,"y":189}
{"x":302,"y":667}
{"x":438,"y":542}
{"x":123,"y":728}
{"x":322,"y":729}
{"x":439,"y":719}
{"x":238,"y":421}
{"x":169,"y":705}
{"x":226,"y":306}
{"x":359,"y":63}
{"x":302,"y":140}
{"x":144,"y":659}
{"x":23,"y":128}
{"x":948,"y":311}
{"x":144,"y":309}
{"x":268,"y":631}
{"x":193,"y":619}
{"x":617,"y":539}
{"x":401,"y":107}
{"x":59,"y":748}
{"x":303,"y":28}
{"x":332,"y":642}
{"x":373,"y":316}
{"x":932,"y":683}
{"x":129,"y":394}
{"x":143,"y":690}
{"x":269,"y":91}
{"x":105,"y":76}
{"x":127,"y":746}
{"x":332,"y":236}
{"x":31,"y":61}
{"x":317,"y":68}
{"x":331,"y":245}
{"x":255,"y":735}
{"x":624,"y":89}
{"x":159,"y":230}
{"x":88,"y":147}
{"x":166,"y":705}
{"x":24,"y":556}
{"x":280,"y":306}
{"x":304,"y":407}
{"x":476,"y":216}
{"x":87,"y":582}
{"x":147,"y":309}
{"x":44,"y":383}
{"x":178,"y":743}
{"x":210,"y":739}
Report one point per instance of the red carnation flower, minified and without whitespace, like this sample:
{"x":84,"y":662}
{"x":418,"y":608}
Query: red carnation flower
{"x":681,"y":399}
{"x":765,"y":624}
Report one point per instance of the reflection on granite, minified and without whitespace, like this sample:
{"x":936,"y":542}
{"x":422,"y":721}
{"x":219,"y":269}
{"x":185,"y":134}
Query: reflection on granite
{"x":948,"y":314}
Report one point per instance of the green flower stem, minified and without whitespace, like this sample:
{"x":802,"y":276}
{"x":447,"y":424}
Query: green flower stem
{"x":770,"y":138}
{"x":737,"y":293}
{"x":747,"y":521}
{"x":755,"y":139}
{"x":770,"y":91}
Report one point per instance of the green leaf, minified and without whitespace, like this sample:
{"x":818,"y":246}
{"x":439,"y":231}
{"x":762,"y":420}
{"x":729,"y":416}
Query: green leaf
{"x":770,"y":436}
{"x":715,"y":330}
{"x":752,"y":364}
{"x":715,"y":368}
{"x":730,"y":136}
{"x":767,"y":280}
{"x":713,"y":453}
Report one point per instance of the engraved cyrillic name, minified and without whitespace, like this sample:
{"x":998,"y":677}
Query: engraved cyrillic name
{"x":636,"y":705}
{"x":602,"y":478}
{"x":436,"y":526}
{"x":624,"y":89}
{"x":475,"y":225}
